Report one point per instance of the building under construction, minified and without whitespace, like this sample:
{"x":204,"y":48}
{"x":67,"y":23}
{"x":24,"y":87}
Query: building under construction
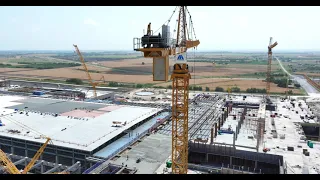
{"x":78,"y":130}
{"x":227,"y":134}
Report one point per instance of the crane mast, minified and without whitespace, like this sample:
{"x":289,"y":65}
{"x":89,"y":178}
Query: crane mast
{"x":158,"y":49}
{"x":180,"y":96}
{"x":36,"y":156}
{"x":269,"y":65}
{"x":9,"y":166}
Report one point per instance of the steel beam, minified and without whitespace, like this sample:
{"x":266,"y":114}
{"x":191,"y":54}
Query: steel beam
{"x":76,"y":166}
{"x":20,"y":161}
{"x":53,"y":169}
{"x":36,"y":165}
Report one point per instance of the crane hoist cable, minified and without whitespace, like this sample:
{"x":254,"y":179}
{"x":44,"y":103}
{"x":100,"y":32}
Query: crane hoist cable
{"x":167,"y":21}
{"x":192,"y":24}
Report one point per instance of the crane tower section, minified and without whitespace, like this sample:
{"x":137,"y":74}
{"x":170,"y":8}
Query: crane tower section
{"x":269,"y":65}
{"x":160,"y":47}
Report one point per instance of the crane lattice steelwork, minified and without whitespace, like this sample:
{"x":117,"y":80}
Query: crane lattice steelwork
{"x":160,"y":48}
{"x":92,"y":83}
{"x":269,"y":65}
{"x":9,"y":166}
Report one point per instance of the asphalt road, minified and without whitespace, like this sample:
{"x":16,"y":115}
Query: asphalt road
{"x":301,"y":80}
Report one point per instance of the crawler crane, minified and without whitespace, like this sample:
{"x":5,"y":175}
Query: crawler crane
{"x":92,"y":83}
{"x":159,"y":47}
{"x":9,"y":166}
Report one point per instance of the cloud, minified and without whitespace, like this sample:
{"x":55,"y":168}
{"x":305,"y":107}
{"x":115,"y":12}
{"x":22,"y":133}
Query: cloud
{"x":89,"y":21}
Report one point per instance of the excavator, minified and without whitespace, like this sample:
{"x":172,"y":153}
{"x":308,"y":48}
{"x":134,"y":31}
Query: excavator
{"x":9,"y":166}
{"x":92,"y":83}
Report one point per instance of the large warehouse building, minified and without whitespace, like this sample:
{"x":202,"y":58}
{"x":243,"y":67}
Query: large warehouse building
{"x":78,"y":129}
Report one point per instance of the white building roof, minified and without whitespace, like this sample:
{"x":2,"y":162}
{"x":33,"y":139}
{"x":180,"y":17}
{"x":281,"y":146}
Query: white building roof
{"x":85,"y":134}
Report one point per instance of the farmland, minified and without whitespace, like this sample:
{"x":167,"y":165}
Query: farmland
{"x":242,"y":70}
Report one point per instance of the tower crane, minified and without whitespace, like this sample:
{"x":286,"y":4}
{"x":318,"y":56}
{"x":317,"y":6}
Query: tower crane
{"x":159,"y":48}
{"x":269,"y":65}
{"x":9,"y":166}
{"x":92,"y":83}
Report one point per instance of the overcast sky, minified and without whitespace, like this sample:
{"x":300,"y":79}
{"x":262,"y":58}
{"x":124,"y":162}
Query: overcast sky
{"x":113,"y":27}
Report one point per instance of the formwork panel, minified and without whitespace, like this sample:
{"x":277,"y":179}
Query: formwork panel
{"x":110,"y":108}
{"x":83,"y":113}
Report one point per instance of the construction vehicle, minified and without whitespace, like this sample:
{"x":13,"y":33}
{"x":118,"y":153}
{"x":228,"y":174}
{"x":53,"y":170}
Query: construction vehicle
{"x":270,"y":47}
{"x":160,"y":47}
{"x":9,"y":166}
{"x":92,"y":83}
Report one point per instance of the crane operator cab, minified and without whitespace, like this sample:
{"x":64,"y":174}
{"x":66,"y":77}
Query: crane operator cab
{"x":154,"y":41}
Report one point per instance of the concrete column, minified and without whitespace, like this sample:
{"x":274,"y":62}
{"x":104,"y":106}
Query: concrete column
{"x":57,"y":159}
{"x":42,"y":168}
{"x":319,"y":134}
{"x":215,"y":129}
{"x":212,"y":135}
{"x":222,"y":116}
{"x":207,"y":157}
{"x":12,"y":150}
{"x":255,"y":164}
{"x":26,"y":152}
{"x":230,"y":161}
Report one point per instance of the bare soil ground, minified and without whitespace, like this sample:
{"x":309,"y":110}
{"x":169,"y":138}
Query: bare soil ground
{"x":4,"y":70}
{"x":132,"y":71}
{"x":72,"y":73}
{"x":225,"y":83}
{"x":201,"y":68}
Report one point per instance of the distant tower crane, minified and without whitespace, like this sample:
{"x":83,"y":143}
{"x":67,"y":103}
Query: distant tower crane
{"x":269,"y":65}
{"x":287,"y":89}
{"x":160,"y":48}
{"x":92,"y":83}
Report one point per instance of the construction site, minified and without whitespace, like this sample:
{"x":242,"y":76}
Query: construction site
{"x":55,"y":128}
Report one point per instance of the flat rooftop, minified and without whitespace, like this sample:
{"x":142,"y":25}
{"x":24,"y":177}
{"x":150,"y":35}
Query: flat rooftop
{"x":85,"y":128}
{"x":152,"y":150}
{"x":291,"y":129}
{"x":287,"y":125}
{"x":132,"y":134}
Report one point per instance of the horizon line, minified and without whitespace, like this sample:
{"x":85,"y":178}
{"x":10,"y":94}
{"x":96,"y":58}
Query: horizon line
{"x":252,"y":50}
